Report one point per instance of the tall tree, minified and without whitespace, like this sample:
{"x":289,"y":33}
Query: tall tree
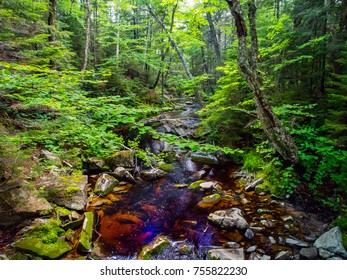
{"x":87,"y":45}
{"x":278,"y":137}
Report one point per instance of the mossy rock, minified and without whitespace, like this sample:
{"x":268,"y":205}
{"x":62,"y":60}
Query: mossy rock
{"x":213,"y":198}
{"x":85,"y":241}
{"x":153,"y":248}
{"x":47,"y":250}
{"x":125,"y":158}
{"x":105,"y":184}
{"x":196,"y":184}
{"x":165,"y":166}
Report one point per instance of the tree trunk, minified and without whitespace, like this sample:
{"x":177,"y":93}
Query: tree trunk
{"x":178,"y":51}
{"x":86,"y":50}
{"x":278,"y":137}
{"x":214,"y":38}
{"x":52,"y":13}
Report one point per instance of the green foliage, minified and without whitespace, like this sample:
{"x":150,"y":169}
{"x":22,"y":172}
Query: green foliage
{"x":231,"y":108}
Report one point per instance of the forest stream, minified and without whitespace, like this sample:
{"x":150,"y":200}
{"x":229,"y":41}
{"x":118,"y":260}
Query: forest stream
{"x":170,"y":208}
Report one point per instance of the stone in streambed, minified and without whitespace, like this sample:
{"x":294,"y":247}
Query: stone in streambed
{"x":85,"y":241}
{"x":153,"y":248}
{"x":205,"y":158}
{"x":228,"y":219}
{"x":331,"y":241}
{"x":309,"y":253}
{"x":46,"y":250}
{"x":226,"y":254}
{"x":283,"y":255}
{"x":152,"y":174}
{"x":105,"y":184}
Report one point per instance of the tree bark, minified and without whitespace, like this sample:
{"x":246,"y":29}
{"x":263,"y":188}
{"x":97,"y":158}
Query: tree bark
{"x":178,"y":51}
{"x":278,"y":137}
{"x":86,"y":50}
{"x":214,"y":38}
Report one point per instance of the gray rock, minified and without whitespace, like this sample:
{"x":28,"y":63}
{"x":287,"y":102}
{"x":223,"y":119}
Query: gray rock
{"x":296,"y":242}
{"x":96,"y":163}
{"x":226,"y":254}
{"x":325,"y":254}
{"x":281,"y":241}
{"x":283,"y":255}
{"x":67,"y":191}
{"x":331,"y":241}
{"x":232,"y":245}
{"x":309,"y":253}
{"x":125,"y":158}
{"x":252,"y":249}
{"x":20,"y":203}
{"x":152,"y":174}
{"x":120,"y":172}
{"x":251,"y":186}
{"x":105,"y":184}
{"x":249,"y":234}
{"x":257,"y":256}
{"x":272,"y":240}
{"x":205,"y":158}
{"x":228,"y":219}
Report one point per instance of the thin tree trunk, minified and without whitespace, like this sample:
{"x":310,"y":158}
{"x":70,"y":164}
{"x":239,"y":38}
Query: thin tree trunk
{"x":52,"y":13}
{"x":86,"y":50}
{"x":278,"y":137}
{"x":178,"y":51}
{"x":214,"y":38}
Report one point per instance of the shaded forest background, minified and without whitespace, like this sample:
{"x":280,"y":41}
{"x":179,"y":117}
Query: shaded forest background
{"x":79,"y":76}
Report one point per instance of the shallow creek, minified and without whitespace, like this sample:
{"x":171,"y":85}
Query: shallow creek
{"x":142,"y":211}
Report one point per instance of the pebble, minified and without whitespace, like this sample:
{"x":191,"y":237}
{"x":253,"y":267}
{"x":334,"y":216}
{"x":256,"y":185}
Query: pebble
{"x":249,"y":234}
{"x":283,"y":255}
{"x":309,"y":253}
{"x":252,"y":249}
{"x":296,"y":242}
{"x":287,"y":218}
{"x":325,"y":254}
{"x":232,"y":245}
{"x":272,"y":240}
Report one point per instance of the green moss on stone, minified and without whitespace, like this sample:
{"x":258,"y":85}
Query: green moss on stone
{"x":36,"y":245}
{"x":84,"y":243}
{"x":196,"y":184}
{"x":165,"y":166}
{"x":212,"y":198}
{"x":156,"y":246}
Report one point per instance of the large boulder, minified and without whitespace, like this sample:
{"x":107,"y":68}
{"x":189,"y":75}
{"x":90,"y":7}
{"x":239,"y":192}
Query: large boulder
{"x":204,"y":158}
{"x":331,"y":241}
{"x":228,"y":219}
{"x":125,"y":158}
{"x":68,"y":191}
{"x":20,"y":203}
{"x":105,"y":184}
{"x":43,"y":239}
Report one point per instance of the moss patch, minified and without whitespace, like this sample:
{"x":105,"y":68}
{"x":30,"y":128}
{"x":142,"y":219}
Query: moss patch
{"x":156,"y":246}
{"x":47,"y":250}
{"x":84,"y":243}
{"x":165,"y":166}
{"x":196,"y":184}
